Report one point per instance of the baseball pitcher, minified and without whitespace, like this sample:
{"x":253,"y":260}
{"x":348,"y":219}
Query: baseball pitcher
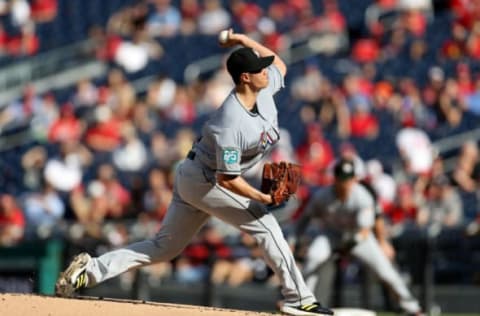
{"x":210,"y":183}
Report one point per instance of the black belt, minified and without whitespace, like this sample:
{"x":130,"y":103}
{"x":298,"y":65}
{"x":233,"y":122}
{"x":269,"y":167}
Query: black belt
{"x":191,"y":155}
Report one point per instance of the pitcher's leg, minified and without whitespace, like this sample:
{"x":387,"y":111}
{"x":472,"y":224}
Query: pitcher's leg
{"x":318,"y":253}
{"x":253,"y":218}
{"x":180,"y":224}
{"x":369,"y":252}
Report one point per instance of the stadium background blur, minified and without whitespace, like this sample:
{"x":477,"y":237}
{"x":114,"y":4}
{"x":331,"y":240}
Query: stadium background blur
{"x":101,"y":99}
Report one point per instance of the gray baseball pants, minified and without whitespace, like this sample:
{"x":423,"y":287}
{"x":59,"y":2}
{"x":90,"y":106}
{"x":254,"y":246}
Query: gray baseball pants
{"x":196,"y":197}
{"x":368,"y":252}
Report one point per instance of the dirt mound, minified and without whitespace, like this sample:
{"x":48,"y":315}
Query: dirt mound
{"x":37,"y":305}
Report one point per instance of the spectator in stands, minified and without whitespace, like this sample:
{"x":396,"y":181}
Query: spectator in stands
{"x":315,"y":155}
{"x":213,"y":18}
{"x":21,"y":111}
{"x":307,"y":87}
{"x":144,"y":119}
{"x":434,"y":87}
{"x":182,"y":109}
{"x":472,"y":102}
{"x":26,"y":43}
{"x":162,"y":151}
{"x":443,"y":205}
{"x":197,"y":258}
{"x":450,"y":106}
{"x":395,"y":44}
{"x":84,"y":202}
{"x":44,"y":10}
{"x":414,"y":21}
{"x":363,"y":123}
{"x":382,"y":95}
{"x":126,"y":21}
{"x":465,"y":11}
{"x":133,"y":55}
{"x":20,"y":12}
{"x":331,"y":20}
{"x":443,"y":97}
{"x":161,"y":94}
{"x":190,"y":10}
{"x":43,"y":211}
{"x":271,"y":38}
{"x":67,"y":127}
{"x":366,"y":50}
{"x":467,"y":170}
{"x":465,"y":81}
{"x":183,"y":141}
{"x":115,"y":197}
{"x":3,"y":40}
{"x":105,"y":43}
{"x":165,"y":21}
{"x":245,"y":265}
{"x":131,"y":155}
{"x":43,"y":119}
{"x":119,"y":93}
{"x":410,"y":111}
{"x":404,"y":210}
{"x":104,"y":134}
{"x":383,"y":184}
{"x":12,"y":221}
{"x":65,"y":172}
{"x":210,"y":95}
{"x":33,"y":162}
{"x":246,"y":14}
{"x":373,"y":17}
{"x":416,"y":153}
{"x":158,"y":195}
{"x":473,"y":41}
{"x":85,"y":95}
{"x":454,"y":48}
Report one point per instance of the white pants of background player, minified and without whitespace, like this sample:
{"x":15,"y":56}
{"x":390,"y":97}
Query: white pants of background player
{"x":368,"y":252}
{"x":196,"y":198}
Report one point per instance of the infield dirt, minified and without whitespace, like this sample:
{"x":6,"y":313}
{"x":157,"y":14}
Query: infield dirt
{"x":37,"y":305}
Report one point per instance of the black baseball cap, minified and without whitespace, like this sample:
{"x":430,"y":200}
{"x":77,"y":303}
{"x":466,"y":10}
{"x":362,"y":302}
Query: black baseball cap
{"x":344,"y":169}
{"x":245,"y":59}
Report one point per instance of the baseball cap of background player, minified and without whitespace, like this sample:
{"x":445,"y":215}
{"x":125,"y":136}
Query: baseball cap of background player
{"x":344,"y":169}
{"x":245,"y":59}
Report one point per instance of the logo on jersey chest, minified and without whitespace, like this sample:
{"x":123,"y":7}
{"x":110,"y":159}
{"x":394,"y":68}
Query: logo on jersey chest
{"x":266,"y":139}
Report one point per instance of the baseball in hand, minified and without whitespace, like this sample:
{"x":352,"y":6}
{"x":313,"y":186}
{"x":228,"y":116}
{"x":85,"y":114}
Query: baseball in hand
{"x":223,"y":37}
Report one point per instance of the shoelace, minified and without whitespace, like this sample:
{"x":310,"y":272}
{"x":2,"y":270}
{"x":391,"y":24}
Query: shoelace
{"x":81,"y":281}
{"x":308,"y":307}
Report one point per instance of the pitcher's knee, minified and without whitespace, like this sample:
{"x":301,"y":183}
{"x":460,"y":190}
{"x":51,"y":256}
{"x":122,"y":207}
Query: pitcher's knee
{"x":166,"y":249}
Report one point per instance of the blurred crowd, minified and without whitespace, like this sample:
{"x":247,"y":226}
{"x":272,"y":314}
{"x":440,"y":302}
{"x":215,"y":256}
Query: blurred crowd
{"x":98,"y":168}
{"x":18,"y":20}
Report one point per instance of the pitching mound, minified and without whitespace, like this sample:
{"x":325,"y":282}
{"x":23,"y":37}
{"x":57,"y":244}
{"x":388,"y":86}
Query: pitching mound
{"x":23,"y":304}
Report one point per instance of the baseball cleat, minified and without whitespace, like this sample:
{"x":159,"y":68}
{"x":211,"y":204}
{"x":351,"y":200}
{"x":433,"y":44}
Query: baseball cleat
{"x":306,"y":310}
{"x":74,"y":277}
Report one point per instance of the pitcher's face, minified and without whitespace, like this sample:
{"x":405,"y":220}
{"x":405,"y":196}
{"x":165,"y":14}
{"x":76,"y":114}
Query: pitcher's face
{"x":259,"y":80}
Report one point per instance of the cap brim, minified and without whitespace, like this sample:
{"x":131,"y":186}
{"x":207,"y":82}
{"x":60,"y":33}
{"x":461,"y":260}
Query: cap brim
{"x":344,"y":176}
{"x":263,"y":62}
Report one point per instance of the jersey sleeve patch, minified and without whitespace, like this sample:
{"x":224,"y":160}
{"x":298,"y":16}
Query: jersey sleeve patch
{"x":230,"y":156}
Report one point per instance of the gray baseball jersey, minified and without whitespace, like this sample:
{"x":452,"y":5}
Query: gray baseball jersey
{"x":357,"y":211}
{"x":234,"y":139}
{"x":342,"y":220}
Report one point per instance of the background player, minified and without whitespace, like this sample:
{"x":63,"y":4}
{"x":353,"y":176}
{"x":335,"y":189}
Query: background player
{"x":348,"y":214}
{"x":209,"y":183}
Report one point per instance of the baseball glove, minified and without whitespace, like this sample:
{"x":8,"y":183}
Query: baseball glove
{"x":280,"y":180}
